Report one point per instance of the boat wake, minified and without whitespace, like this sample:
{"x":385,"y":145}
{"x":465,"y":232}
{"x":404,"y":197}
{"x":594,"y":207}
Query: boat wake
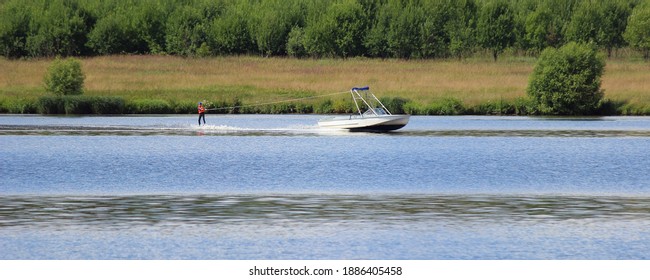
{"x":180,"y":130}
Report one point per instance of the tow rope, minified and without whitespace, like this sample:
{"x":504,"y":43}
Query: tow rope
{"x":275,"y":102}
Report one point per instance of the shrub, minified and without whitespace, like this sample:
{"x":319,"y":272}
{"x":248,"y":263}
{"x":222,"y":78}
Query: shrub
{"x":394,"y":104}
{"x":75,"y":105}
{"x":107,"y":105}
{"x":148,"y":107}
{"x":51,"y":105}
{"x":18,"y":106}
{"x":637,"y":33}
{"x":79,"y":105}
{"x":64,"y":77}
{"x":446,"y":106}
{"x":184,"y":107}
{"x":413,"y":108}
{"x":566,"y":81}
{"x":343,"y":106}
{"x":324,"y":107}
{"x":295,"y":45}
{"x":524,"y":106}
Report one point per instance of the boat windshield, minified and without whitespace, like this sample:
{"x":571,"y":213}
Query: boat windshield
{"x":379,"y":111}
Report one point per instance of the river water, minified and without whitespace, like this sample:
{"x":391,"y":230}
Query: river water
{"x":279,"y":187}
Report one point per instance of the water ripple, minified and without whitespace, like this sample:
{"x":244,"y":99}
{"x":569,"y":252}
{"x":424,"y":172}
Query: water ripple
{"x":117,"y":130}
{"x":123,"y":211}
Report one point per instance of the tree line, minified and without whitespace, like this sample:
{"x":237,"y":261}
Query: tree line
{"x":318,"y":28}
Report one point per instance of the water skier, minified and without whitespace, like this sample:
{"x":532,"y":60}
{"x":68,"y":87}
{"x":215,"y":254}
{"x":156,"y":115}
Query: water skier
{"x":201,"y":113}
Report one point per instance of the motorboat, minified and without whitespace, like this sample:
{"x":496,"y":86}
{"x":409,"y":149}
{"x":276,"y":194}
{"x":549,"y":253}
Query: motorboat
{"x":376,"y":118}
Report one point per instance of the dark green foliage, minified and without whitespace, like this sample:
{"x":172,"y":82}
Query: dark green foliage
{"x":58,"y":27}
{"x":566,"y":81}
{"x":18,"y":106}
{"x":183,"y":107}
{"x":271,"y":24}
{"x":404,"y":36}
{"x":295,"y":42}
{"x":500,"y":107}
{"x":153,"y":106}
{"x":319,"y":28}
{"x":638,"y":29}
{"x":496,"y":26}
{"x":599,"y":22}
{"x":14,"y":27}
{"x":543,"y":29}
{"x":107,"y":105}
{"x":585,"y":25}
{"x":615,"y":16}
{"x":231,"y":33}
{"x":51,"y":105}
{"x":186,"y":31}
{"x":283,"y":108}
{"x":77,"y":105}
{"x":446,"y":106}
{"x":394,"y":104}
{"x":80,"y":105}
{"x":410,"y":29}
{"x":461,"y":28}
{"x":324,"y":107}
{"x":413,"y":108}
{"x":337,"y":32}
{"x":64,"y":77}
{"x":632,"y":110}
{"x":117,"y":33}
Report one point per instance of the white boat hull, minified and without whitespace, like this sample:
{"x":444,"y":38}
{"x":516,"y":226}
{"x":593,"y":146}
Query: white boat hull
{"x":366,"y":123}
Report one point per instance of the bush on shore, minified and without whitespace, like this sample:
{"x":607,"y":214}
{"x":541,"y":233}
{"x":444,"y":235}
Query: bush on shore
{"x":64,"y":77}
{"x":78,"y":105}
{"x":51,"y":105}
{"x":17,"y":106}
{"x":566,"y":81}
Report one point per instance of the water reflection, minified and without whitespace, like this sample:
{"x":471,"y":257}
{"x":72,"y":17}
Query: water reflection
{"x":112,"y":212}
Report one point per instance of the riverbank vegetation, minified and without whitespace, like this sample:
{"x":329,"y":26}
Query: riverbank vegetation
{"x":423,"y":57}
{"x":403,"y":29}
{"x":171,"y":84}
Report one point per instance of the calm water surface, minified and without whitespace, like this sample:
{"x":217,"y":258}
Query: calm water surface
{"x":279,"y":187}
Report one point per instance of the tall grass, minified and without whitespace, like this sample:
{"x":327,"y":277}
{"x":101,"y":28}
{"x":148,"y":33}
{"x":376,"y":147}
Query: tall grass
{"x":174,"y":84}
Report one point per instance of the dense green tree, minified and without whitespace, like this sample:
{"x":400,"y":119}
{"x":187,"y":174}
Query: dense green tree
{"x":14,"y":28}
{"x":461,"y":27}
{"x":496,"y":26}
{"x":271,"y":24}
{"x":332,"y":28}
{"x":543,"y":29}
{"x":434,"y":36}
{"x":186,"y":31}
{"x":337,"y":32}
{"x":318,"y":31}
{"x":566,"y":81}
{"x":404,"y":36}
{"x":637,"y":33}
{"x":585,"y":25}
{"x":599,"y":22}
{"x":58,"y":27}
{"x":614,"y":14}
{"x":295,"y":42}
{"x":231,"y":32}
{"x":375,"y":40}
{"x":150,"y":20}
{"x":116,"y":33}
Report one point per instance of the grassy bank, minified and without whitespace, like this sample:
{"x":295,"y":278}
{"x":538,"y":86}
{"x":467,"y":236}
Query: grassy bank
{"x":174,"y":84}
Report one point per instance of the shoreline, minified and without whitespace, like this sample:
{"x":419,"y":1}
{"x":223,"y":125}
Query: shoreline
{"x":171,"y":84}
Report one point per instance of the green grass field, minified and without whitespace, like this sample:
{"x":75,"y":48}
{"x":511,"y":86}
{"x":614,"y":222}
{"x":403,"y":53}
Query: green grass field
{"x":251,"y":80}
